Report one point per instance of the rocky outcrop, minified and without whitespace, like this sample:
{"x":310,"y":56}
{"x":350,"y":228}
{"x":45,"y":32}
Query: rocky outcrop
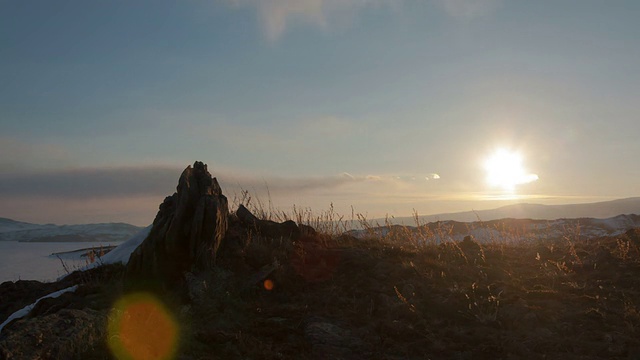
{"x":16,"y":295}
{"x":69,"y":326}
{"x":66,"y":334}
{"x":271,"y":229}
{"x":186,"y":232}
{"x":330,"y":341}
{"x":472,"y":249}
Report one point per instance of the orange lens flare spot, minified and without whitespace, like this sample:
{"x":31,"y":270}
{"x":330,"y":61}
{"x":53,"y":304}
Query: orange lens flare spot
{"x":141,"y":328}
{"x":268,"y":284}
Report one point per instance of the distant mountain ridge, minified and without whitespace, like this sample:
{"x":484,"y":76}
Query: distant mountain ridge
{"x":508,"y":230}
{"x":12,"y":230}
{"x":584,"y":214}
{"x":598,"y":210}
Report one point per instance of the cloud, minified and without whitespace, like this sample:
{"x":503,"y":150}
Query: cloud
{"x":137,"y":210}
{"x":289,"y":136}
{"x":348,"y":176}
{"x":90,"y":182}
{"x":467,"y":9}
{"x":277,"y":15}
{"x":529,"y":178}
{"x":287,"y":185}
{"x":415,"y":178}
{"x":19,"y":154}
{"x":132,"y":194}
{"x":325,"y":126}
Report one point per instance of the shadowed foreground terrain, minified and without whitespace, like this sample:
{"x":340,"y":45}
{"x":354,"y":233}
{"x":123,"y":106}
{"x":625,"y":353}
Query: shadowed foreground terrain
{"x":321,"y":297}
{"x":209,"y":284}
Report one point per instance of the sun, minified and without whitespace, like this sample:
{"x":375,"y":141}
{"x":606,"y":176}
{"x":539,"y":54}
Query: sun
{"x":505,"y":170}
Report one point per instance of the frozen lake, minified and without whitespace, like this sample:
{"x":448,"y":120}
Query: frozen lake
{"x":33,"y":261}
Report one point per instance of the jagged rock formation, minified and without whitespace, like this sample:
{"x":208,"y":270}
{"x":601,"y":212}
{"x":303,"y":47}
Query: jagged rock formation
{"x":186,"y":233}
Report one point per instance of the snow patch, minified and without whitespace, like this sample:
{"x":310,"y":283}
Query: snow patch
{"x":27,"y":309}
{"x":124,"y":250}
{"x":120,"y":254}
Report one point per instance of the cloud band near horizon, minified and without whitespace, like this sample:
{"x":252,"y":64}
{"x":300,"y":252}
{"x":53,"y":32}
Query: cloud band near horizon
{"x":113,"y":182}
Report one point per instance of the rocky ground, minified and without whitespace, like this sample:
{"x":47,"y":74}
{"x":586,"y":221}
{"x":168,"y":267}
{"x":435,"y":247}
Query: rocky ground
{"x":345,"y":298}
{"x":283,"y":291}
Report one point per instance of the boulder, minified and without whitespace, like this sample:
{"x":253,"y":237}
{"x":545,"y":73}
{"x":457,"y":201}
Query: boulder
{"x":330,"y":341}
{"x":472,"y":249}
{"x":633,"y":235}
{"x":67,"y":334}
{"x":271,"y":229}
{"x":186,"y":232}
{"x":16,"y":295}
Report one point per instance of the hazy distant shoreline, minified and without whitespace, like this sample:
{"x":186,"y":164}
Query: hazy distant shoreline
{"x":37,"y":260}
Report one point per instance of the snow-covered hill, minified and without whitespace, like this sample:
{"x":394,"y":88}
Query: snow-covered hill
{"x":11,"y":230}
{"x":509,"y":230}
{"x":8,"y":225}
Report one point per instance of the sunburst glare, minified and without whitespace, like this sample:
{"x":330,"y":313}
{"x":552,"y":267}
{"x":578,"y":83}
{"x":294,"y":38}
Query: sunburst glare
{"x":504,"y":170}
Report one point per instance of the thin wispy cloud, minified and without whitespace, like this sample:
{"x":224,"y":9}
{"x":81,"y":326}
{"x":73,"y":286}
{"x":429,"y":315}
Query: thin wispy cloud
{"x":326,"y":126}
{"x":147,"y":181}
{"x":416,"y":178}
{"x":90,"y":182}
{"x":467,"y":9}
{"x":348,"y":176}
{"x":277,"y":15}
{"x":122,"y":182}
{"x":17,"y":154}
{"x":110,"y":194}
{"x":307,"y":133}
{"x":286,"y":185}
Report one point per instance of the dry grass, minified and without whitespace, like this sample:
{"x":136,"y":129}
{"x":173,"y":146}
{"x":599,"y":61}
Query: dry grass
{"x":411,"y":292}
{"x":399,"y":292}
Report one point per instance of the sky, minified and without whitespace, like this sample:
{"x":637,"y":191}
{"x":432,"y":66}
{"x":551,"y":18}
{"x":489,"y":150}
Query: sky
{"x":383,"y":107}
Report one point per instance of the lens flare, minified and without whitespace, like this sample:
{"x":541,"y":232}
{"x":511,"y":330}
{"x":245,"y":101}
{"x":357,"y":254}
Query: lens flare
{"x":268,"y":284}
{"x":141,"y":328}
